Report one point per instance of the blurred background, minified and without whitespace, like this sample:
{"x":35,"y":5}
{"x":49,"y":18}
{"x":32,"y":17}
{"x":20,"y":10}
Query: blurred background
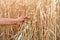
{"x":44,"y":23}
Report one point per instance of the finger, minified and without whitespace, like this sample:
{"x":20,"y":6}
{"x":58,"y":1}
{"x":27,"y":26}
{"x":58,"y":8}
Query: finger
{"x":26,"y":17}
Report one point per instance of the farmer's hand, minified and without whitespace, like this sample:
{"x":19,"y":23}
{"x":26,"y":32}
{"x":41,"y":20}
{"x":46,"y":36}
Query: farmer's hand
{"x":22,"y":19}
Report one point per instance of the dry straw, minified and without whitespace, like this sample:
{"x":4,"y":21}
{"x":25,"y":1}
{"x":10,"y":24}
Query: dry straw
{"x":44,"y":19}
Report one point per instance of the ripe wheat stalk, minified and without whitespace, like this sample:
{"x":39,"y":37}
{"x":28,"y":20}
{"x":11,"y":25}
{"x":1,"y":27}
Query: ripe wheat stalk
{"x":44,"y":19}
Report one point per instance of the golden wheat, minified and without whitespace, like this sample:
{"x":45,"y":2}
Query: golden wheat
{"x":44,"y":21}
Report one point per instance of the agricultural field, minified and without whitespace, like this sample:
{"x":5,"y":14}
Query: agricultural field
{"x":44,"y":22}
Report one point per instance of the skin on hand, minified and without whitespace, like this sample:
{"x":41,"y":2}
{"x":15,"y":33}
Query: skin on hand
{"x":22,"y":19}
{"x":9,"y":21}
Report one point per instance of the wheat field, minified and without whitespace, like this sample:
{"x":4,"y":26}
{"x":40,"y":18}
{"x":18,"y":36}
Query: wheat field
{"x":44,"y":23}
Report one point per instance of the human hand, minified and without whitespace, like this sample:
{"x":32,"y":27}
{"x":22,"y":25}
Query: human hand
{"x":22,"y":19}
